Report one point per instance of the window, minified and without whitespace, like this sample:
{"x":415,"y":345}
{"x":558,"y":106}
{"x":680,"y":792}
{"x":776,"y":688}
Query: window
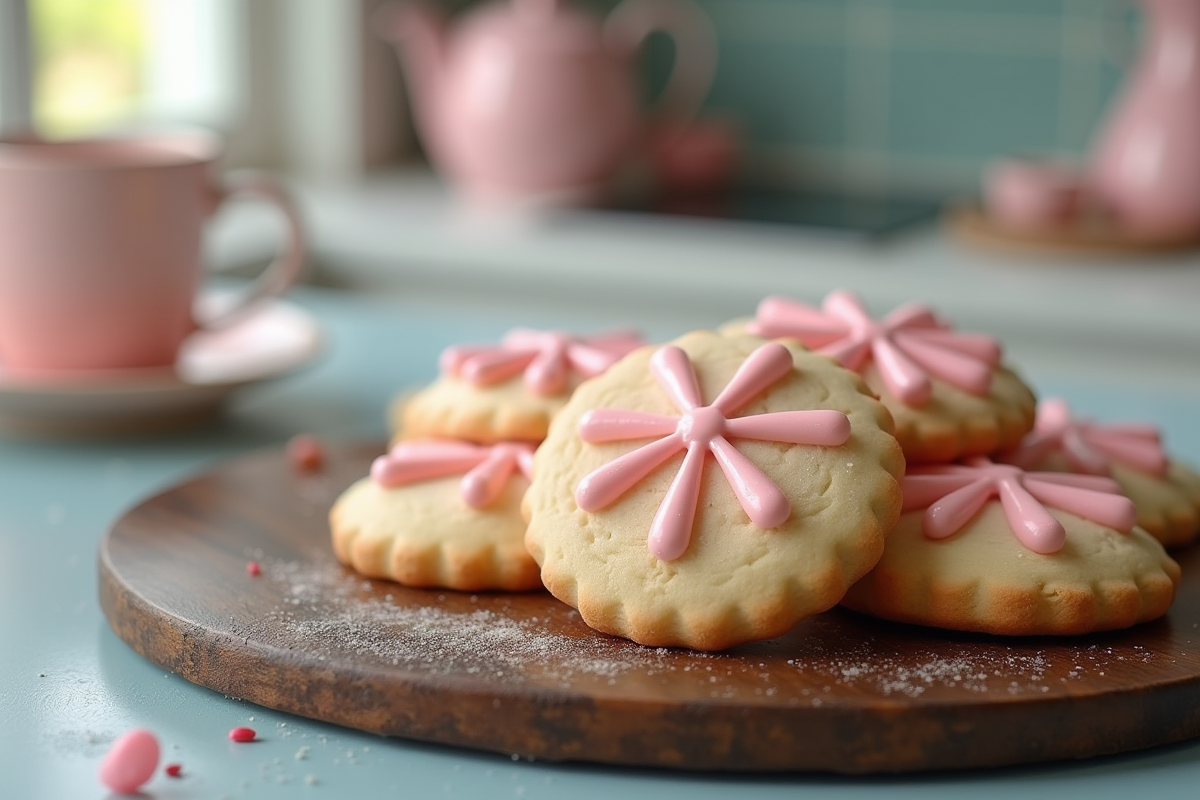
{"x":305,"y":86}
{"x":82,"y":66}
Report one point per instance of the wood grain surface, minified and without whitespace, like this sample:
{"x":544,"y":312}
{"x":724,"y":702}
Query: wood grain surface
{"x":1095,"y":238}
{"x":520,"y":674}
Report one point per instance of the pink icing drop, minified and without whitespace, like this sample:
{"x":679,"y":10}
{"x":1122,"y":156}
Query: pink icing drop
{"x":485,"y":469}
{"x":671,"y":529}
{"x":909,"y":345}
{"x":764,"y":503}
{"x":545,"y":357}
{"x":672,"y":369}
{"x":699,"y":430}
{"x":618,"y":425}
{"x":1089,"y":447}
{"x":779,"y":318}
{"x":954,"y":493}
{"x":604,"y":486}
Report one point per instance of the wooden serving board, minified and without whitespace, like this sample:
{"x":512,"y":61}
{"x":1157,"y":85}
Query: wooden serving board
{"x":521,"y":674}
{"x":1092,"y":238}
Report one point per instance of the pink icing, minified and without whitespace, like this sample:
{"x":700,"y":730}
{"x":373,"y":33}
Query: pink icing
{"x":699,"y":430}
{"x":954,"y":493}
{"x":545,"y":357}
{"x":909,"y":345}
{"x":485,"y":469}
{"x":1088,"y":447}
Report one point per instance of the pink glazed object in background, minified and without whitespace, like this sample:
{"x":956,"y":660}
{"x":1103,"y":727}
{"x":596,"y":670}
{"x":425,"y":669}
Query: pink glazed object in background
{"x":100,"y":249}
{"x":1027,"y":194}
{"x":529,"y":100}
{"x":1146,"y":165}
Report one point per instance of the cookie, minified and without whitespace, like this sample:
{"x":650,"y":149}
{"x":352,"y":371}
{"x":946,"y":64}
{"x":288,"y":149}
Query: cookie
{"x":1165,"y":492}
{"x":636,"y":526}
{"x":507,"y":391}
{"x":991,"y":548}
{"x":948,"y":393}
{"x":439,"y":514}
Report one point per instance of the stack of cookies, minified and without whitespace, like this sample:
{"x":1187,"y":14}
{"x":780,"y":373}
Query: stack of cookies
{"x":722,"y":487}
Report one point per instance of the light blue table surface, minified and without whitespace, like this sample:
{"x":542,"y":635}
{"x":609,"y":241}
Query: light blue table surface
{"x":69,"y":686}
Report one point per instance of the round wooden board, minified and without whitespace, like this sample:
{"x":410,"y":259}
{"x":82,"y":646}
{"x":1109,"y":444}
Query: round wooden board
{"x":520,"y":673}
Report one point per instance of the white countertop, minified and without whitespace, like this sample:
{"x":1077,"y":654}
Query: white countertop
{"x":401,"y":232}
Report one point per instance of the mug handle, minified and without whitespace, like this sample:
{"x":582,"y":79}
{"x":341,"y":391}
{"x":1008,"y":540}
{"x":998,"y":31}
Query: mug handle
{"x":283,"y":271}
{"x":632,"y":21}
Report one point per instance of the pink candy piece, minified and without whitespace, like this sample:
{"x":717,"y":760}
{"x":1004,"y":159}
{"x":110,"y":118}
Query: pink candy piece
{"x":173,"y":770}
{"x":253,"y":569}
{"x":305,"y":452}
{"x":130,"y":762}
{"x":242,"y":735}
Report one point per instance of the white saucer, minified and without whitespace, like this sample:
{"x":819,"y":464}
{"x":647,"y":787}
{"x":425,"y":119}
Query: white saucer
{"x":276,"y":339}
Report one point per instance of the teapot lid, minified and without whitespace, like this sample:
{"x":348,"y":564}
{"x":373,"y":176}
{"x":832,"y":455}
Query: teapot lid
{"x":539,"y":25}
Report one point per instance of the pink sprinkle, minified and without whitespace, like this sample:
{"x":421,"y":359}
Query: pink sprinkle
{"x":305,"y":452}
{"x":173,"y":770}
{"x":130,"y":762}
{"x":253,"y":569}
{"x":242,"y":735}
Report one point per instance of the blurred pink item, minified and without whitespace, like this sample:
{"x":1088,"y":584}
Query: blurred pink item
{"x":1029,"y":194}
{"x":531,"y":99}
{"x":701,"y":157}
{"x":100,"y":249}
{"x":1146,"y":164}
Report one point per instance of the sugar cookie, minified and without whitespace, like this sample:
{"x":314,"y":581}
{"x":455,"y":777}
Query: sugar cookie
{"x":978,"y":549}
{"x":510,"y":390}
{"x":439,"y":513}
{"x":1165,"y":492}
{"x":946,"y":390}
{"x":651,"y":540}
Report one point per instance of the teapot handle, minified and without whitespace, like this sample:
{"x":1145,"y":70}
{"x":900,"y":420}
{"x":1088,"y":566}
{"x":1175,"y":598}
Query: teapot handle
{"x":632,"y":21}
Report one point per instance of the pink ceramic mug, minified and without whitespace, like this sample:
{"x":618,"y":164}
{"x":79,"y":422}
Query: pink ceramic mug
{"x":1026,"y":194}
{"x":100,"y":249}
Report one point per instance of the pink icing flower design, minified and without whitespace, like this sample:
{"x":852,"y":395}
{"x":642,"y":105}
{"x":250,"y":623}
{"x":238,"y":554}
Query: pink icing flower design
{"x":910,"y":344}
{"x":485,"y":469}
{"x":1088,"y":447}
{"x":545,"y":357}
{"x":699,"y":430}
{"x":954,"y":493}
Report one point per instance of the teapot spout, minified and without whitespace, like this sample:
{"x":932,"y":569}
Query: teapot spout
{"x":418,"y":33}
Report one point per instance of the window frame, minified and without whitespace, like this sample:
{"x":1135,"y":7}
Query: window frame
{"x":16,"y":67}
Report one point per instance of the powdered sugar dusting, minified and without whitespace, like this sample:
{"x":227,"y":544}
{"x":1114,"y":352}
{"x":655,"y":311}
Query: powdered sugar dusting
{"x":439,"y":639}
{"x":504,"y":640}
{"x":979,"y":668}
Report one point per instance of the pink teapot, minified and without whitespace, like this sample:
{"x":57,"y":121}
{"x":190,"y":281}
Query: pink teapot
{"x":530,"y":100}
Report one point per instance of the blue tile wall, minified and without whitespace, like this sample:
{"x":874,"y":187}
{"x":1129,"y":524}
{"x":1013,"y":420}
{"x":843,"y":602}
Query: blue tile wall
{"x":915,"y":93}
